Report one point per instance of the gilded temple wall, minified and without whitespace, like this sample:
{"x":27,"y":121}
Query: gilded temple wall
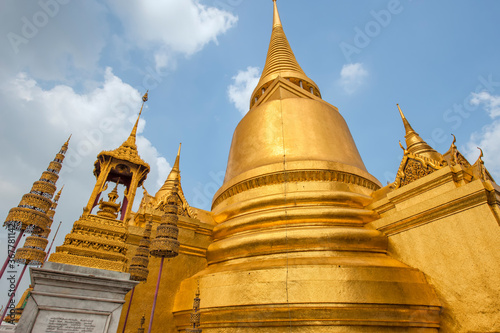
{"x":449,"y":230}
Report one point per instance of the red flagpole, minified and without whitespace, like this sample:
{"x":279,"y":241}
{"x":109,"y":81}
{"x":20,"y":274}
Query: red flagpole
{"x":52,"y":243}
{"x":13,"y":294}
{"x":128,"y":309}
{"x":10,"y":253}
{"x":156,"y":296}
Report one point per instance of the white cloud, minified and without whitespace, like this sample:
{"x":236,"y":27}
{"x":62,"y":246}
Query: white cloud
{"x":243,"y":85}
{"x":52,"y":41}
{"x":491,"y":103}
{"x":352,"y":77}
{"x":171,"y":25}
{"x":489,"y":136}
{"x":42,"y":119}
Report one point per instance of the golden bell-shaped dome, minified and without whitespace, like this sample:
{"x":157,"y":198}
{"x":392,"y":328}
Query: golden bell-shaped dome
{"x":292,"y":249}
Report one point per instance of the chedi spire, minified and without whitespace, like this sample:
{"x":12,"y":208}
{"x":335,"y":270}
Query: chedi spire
{"x":281,"y":62}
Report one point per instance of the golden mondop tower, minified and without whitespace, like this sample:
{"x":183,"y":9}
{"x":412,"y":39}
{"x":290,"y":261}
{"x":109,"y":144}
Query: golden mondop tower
{"x":291,"y":250}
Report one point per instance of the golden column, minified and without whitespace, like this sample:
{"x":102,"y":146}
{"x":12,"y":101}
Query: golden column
{"x":292,"y":250}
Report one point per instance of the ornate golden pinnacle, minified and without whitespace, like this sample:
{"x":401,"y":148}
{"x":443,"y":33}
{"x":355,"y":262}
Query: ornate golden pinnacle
{"x":195,"y":315}
{"x":31,"y":213}
{"x":165,"y":243}
{"x":139,"y":265}
{"x":33,"y":251}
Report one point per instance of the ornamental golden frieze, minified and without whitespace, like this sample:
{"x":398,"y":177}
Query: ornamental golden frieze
{"x":295,"y":176}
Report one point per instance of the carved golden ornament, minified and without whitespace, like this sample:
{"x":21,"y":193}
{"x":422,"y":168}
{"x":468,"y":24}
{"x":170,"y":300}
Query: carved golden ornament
{"x":36,"y":242}
{"x":295,"y":176}
{"x":29,"y":256}
{"x":43,"y":188}
{"x":21,"y":218}
{"x":87,"y":260}
{"x":36,"y":202}
{"x":415,"y":170}
{"x":165,"y":243}
{"x":126,"y":154}
{"x":49,"y":177}
{"x":59,"y":157}
{"x":54,"y":167}
{"x":106,"y":247}
{"x":195,"y":317}
{"x":138,"y":273}
{"x":139,"y":265}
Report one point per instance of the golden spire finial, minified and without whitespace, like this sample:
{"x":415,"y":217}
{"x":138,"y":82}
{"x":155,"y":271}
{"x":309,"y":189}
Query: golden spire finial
{"x":113,"y":195}
{"x":176,"y":163}
{"x":276,"y":17}
{"x":281,"y":62}
{"x":130,"y":142}
{"x":415,"y":144}
{"x":58,"y":195}
{"x":407,"y":125}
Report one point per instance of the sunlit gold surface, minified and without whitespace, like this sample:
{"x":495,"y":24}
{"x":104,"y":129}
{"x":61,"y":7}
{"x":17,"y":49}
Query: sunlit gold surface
{"x":302,"y":238}
{"x":449,"y":227}
{"x":291,"y":250}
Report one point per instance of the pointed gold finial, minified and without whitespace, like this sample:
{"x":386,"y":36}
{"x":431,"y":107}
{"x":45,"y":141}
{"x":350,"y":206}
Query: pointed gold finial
{"x":415,"y":144}
{"x":481,"y":155}
{"x":130,"y":142}
{"x":407,"y":125}
{"x":454,"y":139}
{"x":176,"y":163}
{"x":175,"y":173}
{"x":281,"y":62}
{"x":276,"y":17}
{"x":58,"y":195}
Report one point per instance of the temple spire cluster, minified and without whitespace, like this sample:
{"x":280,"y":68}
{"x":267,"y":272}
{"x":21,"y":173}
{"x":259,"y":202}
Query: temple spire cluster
{"x":300,"y":236}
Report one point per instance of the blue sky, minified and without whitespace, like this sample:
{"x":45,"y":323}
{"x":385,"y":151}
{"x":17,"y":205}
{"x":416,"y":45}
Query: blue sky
{"x":76,"y":67}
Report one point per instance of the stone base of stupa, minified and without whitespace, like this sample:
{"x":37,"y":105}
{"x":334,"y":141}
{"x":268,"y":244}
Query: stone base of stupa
{"x":68,"y":298}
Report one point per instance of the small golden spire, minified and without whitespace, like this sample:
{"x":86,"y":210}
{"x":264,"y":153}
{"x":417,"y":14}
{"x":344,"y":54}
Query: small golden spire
{"x":113,"y":195}
{"x":276,"y":17}
{"x":175,"y":173}
{"x":58,"y":195}
{"x":130,"y":142}
{"x":407,"y":125}
{"x":415,"y":144}
{"x":176,"y":163}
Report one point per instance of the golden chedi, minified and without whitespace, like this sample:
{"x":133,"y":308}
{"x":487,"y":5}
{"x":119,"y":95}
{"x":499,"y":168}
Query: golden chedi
{"x":292,"y":250}
{"x":31,"y":215}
